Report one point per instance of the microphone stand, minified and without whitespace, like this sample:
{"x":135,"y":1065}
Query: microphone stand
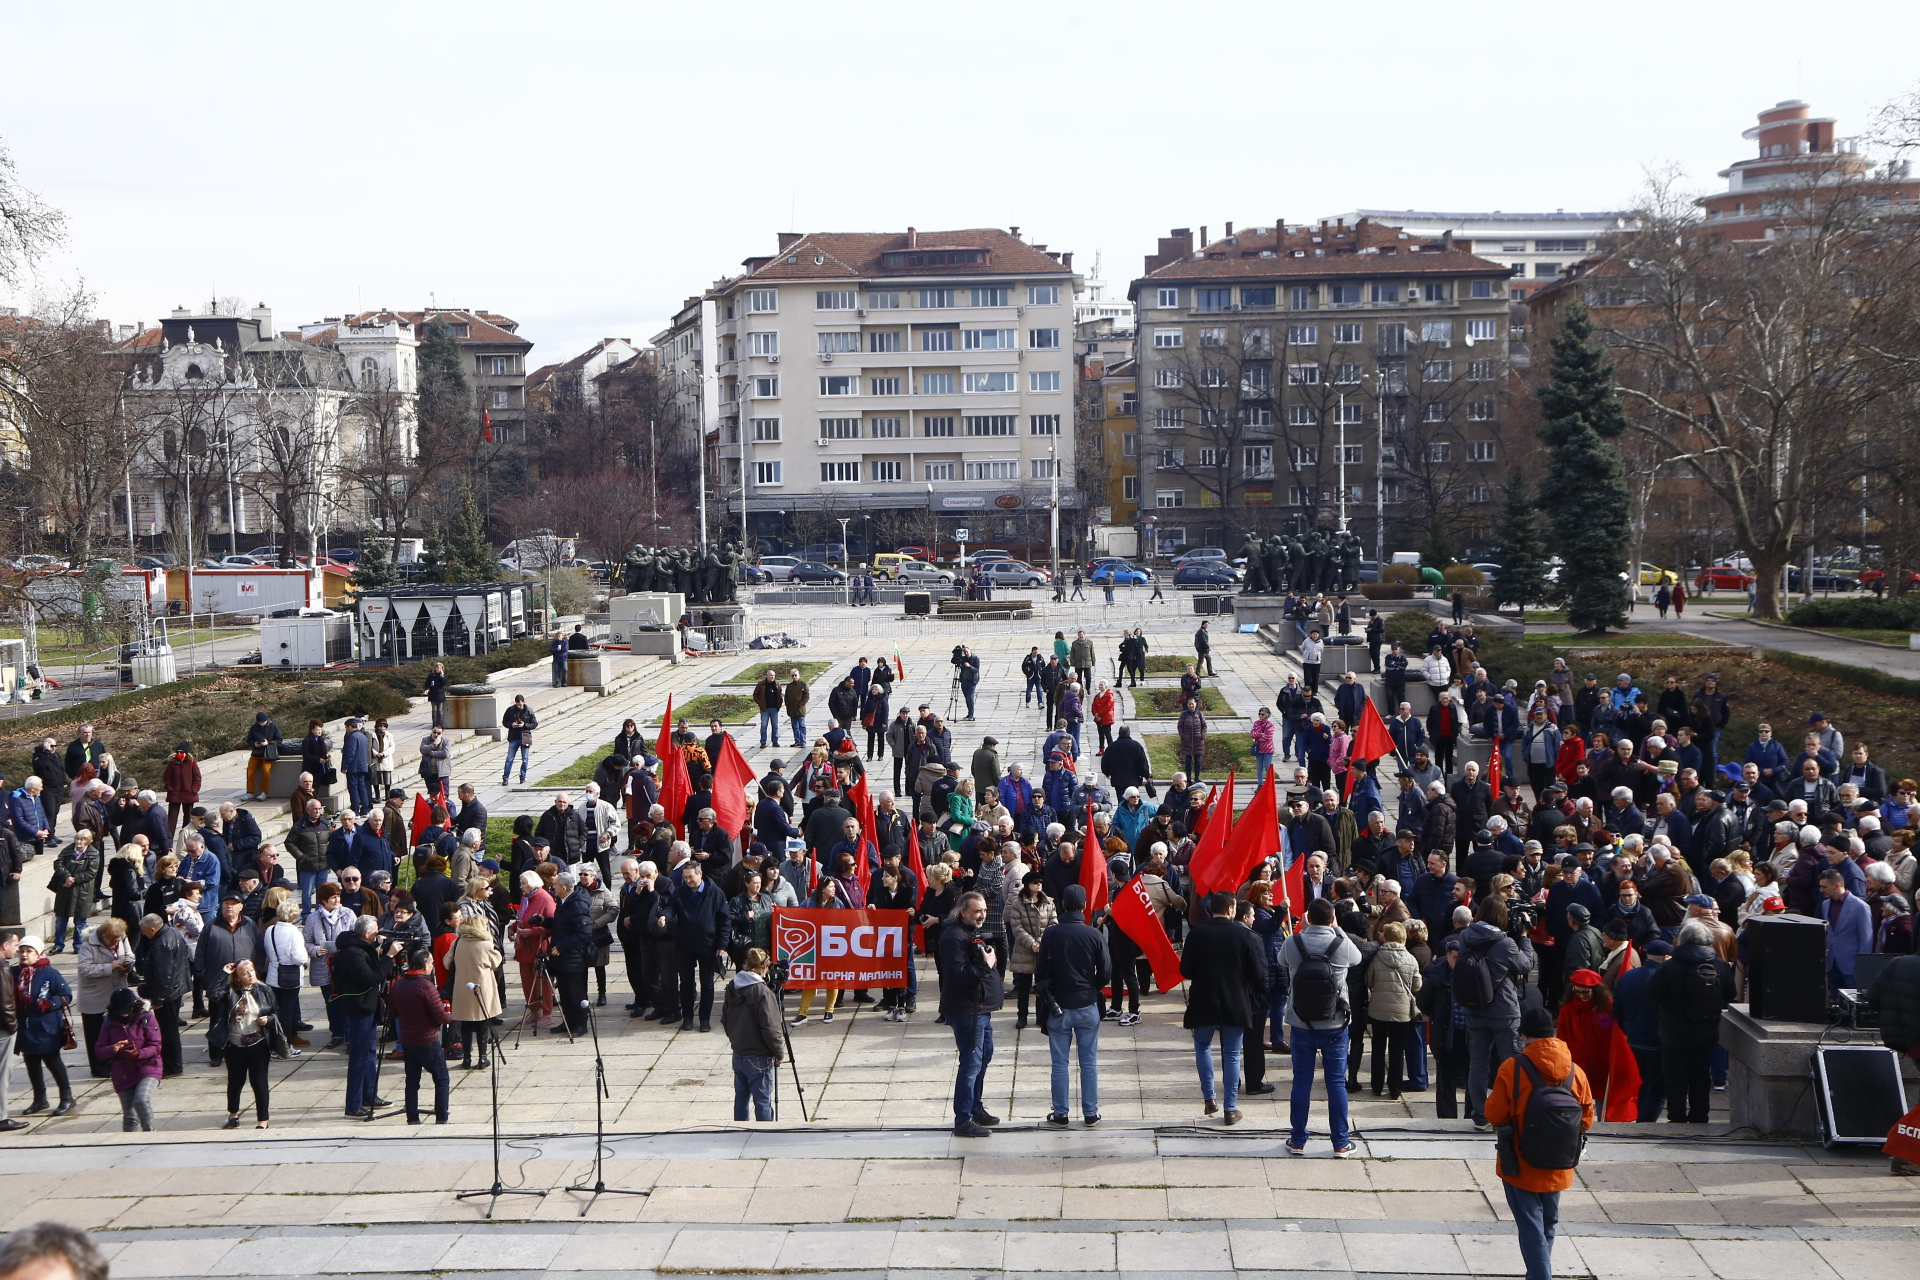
{"x":600,"y":1093}
{"x":494,"y":1192}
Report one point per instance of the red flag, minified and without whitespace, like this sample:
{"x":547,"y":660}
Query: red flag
{"x":1206,"y":867}
{"x":676,"y":788}
{"x":1133,"y":912}
{"x":1093,"y":868}
{"x":486,"y":426}
{"x":665,"y":742}
{"x":1370,"y":738}
{"x":1293,"y":888}
{"x":1493,"y":770}
{"x":422,"y":812}
{"x":1255,"y":837}
{"x":1199,"y":828}
{"x":919,"y":869}
{"x":732,"y":776}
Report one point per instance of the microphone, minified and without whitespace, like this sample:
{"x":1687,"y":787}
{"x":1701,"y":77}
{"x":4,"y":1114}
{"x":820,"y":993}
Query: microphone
{"x":471,"y":987}
{"x":584,"y":1005}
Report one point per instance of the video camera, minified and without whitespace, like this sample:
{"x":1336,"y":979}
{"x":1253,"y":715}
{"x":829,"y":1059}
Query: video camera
{"x":777,"y":974}
{"x":1521,"y":918}
{"x":959,"y":658}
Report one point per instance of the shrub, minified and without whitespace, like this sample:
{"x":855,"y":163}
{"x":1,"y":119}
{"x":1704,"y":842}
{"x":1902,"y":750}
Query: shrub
{"x":371,"y":699}
{"x":1464,"y":575}
{"x":1406,"y":573}
{"x":572,"y":592}
{"x":1387,"y":590}
{"x":1901,"y":613}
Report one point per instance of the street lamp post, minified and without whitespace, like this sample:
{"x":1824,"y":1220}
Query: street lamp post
{"x":1342,"y":447}
{"x":1053,"y":505}
{"x":846,"y":560}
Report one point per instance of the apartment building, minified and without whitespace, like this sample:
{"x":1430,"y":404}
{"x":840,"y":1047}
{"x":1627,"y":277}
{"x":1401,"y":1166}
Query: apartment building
{"x":912,"y":374}
{"x":1108,"y":394}
{"x":1536,"y":247}
{"x":1306,"y":375}
{"x":1796,"y":155}
{"x":495,"y":354}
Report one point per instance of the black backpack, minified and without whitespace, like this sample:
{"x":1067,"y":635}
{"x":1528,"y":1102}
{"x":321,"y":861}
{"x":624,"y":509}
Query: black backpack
{"x":1315,"y":995}
{"x":1700,"y":992}
{"x":1550,"y":1137}
{"x":1473,"y":979}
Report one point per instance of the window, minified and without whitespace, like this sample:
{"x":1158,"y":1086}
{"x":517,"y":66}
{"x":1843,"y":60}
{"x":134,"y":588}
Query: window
{"x":1214,"y":376}
{"x":834,"y":344}
{"x":939,"y":471}
{"x":1521,"y":247}
{"x":1436,"y":371}
{"x":1559,"y":246}
{"x":839,"y":473}
{"x":498,"y":400}
{"x":885,"y":428}
{"x":993,"y":470}
{"x":1303,"y":335}
{"x":760,"y":301}
{"x":1129,"y":404}
{"x":1169,"y":419}
{"x":766,"y":386}
{"x":766,"y":473}
{"x":974,"y":383}
{"x":1347,"y":375}
{"x":1257,"y":378}
{"x":1711,"y":335}
{"x":1043,"y":295}
{"x":1258,"y":418}
{"x":1170,"y":498}
{"x":1546,"y":270}
{"x":1169,"y":298}
{"x":1213,"y":457}
{"x":940,"y":426}
{"x":936,"y":384}
{"x":1390,"y":492}
{"x":1483,"y":288}
{"x":1440,"y":451}
{"x":1479,"y":371}
{"x":836,"y":300}
{"x":1349,"y":414}
{"x":1344,"y":295}
{"x":1435,"y":291}
{"x":992,"y":296}
{"x":839,"y":428}
{"x":1438,"y":411}
{"x":1392,"y":338}
{"x":841,"y":385}
{"x":1212,"y":299}
{"x":957,"y":257}
{"x":1346,"y":334}
{"x":883,"y":386}
{"x":1479,"y":451}
{"x":884,"y":340}
{"x":1303,"y":495}
{"x":1043,"y":424}
{"x":1173,"y":458}
{"x":1483,"y":330}
{"x":1168,"y":338}
{"x":1351,"y":454}
{"x":1213,"y":337}
{"x":1257,"y":462}
{"x":993,"y":424}
{"x":988,"y":339}
{"x":1129,"y":444}
{"x":1302,"y":455}
{"x":888,"y":300}
{"x":1300,"y":297}
{"x":1257,"y":343}
{"x":1386,"y":293}
{"x":1480,"y":411}
{"x":1166,"y":377}
{"x":763,"y":344}
{"x":1302,"y":415}
{"x":1045,"y":468}
{"x":936,"y":297}
{"x":498,"y":366}
{"x":936,"y":339}
{"x":1044,"y":381}
{"x":892,"y":472}
{"x":766,"y":430}
{"x":1438,"y":332}
{"x":1043,"y":339}
{"x":1129,"y":488}
{"x":461,"y":330}
{"x":1303,"y":375}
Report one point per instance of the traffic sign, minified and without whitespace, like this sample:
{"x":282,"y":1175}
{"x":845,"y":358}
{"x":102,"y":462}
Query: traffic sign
{"x":960,"y":535}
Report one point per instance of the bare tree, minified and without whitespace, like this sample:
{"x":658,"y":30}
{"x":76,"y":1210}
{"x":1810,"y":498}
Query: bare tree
{"x":382,"y":457}
{"x":29,"y":228}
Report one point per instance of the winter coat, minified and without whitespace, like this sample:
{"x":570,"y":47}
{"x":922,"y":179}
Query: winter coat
{"x":220,"y":1011}
{"x":1896,"y":994}
{"x":750,"y":1015}
{"x":474,"y":960}
{"x":284,"y":944}
{"x":1507,"y":1104}
{"x":321,"y":934}
{"x":1511,"y":961}
{"x":307,"y":842}
{"x":181,"y":778}
{"x":1028,"y":922}
{"x":41,"y":996}
{"x":356,"y":752}
{"x":433,"y":757}
{"x":357,"y":974}
{"x":1226,"y":971}
{"x":1437,"y":833}
{"x":1125,"y":764}
{"x":1193,"y":733}
{"x":985,"y":767}
{"x":1393,"y":979}
{"x":98,"y":978}
{"x":166,"y":965}
{"x":76,"y":900}
{"x":1679,"y":1026}
{"x":796,"y":697}
{"x":702,"y":921}
{"x":140,"y":1060}
{"x":573,"y":933}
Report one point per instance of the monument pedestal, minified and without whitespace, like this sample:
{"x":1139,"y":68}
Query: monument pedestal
{"x":1769,"y":1071}
{"x":479,"y":712}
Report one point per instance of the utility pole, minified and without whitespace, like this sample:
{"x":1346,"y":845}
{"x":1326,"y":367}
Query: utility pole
{"x":1053,"y":505}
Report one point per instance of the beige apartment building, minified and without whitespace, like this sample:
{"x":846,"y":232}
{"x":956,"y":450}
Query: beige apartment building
{"x":1298,"y":376}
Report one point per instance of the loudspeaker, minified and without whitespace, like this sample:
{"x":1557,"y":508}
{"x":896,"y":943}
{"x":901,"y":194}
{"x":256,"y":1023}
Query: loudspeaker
{"x":1859,"y":1093}
{"x":1787,"y":968}
{"x":919,"y":602}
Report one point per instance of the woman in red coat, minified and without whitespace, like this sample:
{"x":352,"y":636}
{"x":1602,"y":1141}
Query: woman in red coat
{"x":1600,"y":1047}
{"x":1105,"y":706}
{"x":182,"y":782}
{"x":1573,"y":749}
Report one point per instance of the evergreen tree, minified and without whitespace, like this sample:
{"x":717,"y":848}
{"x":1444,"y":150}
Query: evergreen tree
{"x":1438,"y":550}
{"x":1521,"y":578}
{"x":1584,"y":492}
{"x":445,"y":400}
{"x":467,"y":554}
{"x":375,"y":567}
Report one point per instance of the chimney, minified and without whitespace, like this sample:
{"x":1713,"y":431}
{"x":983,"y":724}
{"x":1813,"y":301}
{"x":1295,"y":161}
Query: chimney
{"x":1228,"y":233}
{"x":913,"y":238}
{"x":788,"y":239}
{"x":263,"y":316}
{"x":1066,"y":260}
{"x":1446,"y":241}
{"x":1014,"y":232}
{"x":1203,"y":237}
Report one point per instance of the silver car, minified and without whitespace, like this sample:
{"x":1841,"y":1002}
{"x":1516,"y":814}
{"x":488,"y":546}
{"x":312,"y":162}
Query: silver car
{"x":1012,"y":573}
{"x":915,"y":571}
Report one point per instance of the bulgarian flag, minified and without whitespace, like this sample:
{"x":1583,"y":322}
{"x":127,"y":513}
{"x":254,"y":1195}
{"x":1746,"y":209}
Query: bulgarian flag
{"x":899,"y":668}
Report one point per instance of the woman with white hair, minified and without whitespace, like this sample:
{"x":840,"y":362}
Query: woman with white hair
{"x":288,"y":963}
{"x":530,"y":942}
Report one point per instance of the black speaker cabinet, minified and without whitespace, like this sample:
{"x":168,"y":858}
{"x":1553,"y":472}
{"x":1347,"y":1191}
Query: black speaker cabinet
{"x":919,"y":602}
{"x":1859,"y":1092}
{"x":1787,"y":968}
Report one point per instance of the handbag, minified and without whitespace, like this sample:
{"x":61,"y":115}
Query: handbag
{"x":329,"y":776}
{"x":286,"y":976}
{"x":67,"y":1040}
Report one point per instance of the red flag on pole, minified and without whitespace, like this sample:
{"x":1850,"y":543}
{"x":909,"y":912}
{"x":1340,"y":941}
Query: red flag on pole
{"x":1370,"y":742}
{"x":1255,"y":837}
{"x":869,"y":820}
{"x":422,"y":812}
{"x":1199,"y":828}
{"x":486,"y":426}
{"x":732,"y":776}
{"x":919,"y":869}
{"x":1093,"y":868}
{"x":1493,"y":770}
{"x":665,"y":741}
{"x":1133,"y":912}
{"x":1206,"y":867}
{"x":675,"y":788}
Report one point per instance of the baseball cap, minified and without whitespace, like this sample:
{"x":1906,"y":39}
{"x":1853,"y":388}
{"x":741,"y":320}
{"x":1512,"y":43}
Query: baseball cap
{"x":1816,"y":717}
{"x":1699,"y":900}
{"x":1659,"y":948}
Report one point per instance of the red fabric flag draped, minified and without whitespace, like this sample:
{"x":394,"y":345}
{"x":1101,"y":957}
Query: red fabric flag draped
{"x":1256,"y":836}
{"x":1370,"y":741}
{"x":665,"y":742}
{"x":1093,"y":868}
{"x":676,"y":788}
{"x":486,"y":426}
{"x":1133,"y":912}
{"x":1493,"y":770}
{"x":919,"y":869}
{"x":732,"y":776}
{"x":869,"y":820}
{"x":422,"y":812}
{"x":1207,"y":866}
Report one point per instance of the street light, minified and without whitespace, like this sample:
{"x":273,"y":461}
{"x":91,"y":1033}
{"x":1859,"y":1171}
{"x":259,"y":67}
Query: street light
{"x":846,"y":560}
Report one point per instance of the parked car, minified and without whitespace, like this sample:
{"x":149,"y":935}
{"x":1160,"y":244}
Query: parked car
{"x":1122,"y":574}
{"x":778,"y":568}
{"x":925,"y":574}
{"x":239,"y":562}
{"x":754,"y":574}
{"x":989,"y":553}
{"x":1206,"y":573}
{"x":1200,"y":553}
{"x":916,"y":553}
{"x":1823,"y":580}
{"x":1013,"y":573}
{"x":160,"y":561}
{"x":812,"y":571}
{"x":1868,"y":577}
{"x":1724,"y":577}
{"x":1652,"y":575}
{"x":829,"y":552}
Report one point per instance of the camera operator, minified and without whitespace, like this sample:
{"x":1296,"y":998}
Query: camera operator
{"x":1488,"y":984}
{"x":970,"y":991}
{"x":361,"y":968}
{"x":967,"y":671}
{"x":573,"y":950}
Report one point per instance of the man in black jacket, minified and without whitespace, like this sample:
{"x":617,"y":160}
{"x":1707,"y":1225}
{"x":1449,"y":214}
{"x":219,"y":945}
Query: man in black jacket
{"x":1493,"y":1025}
{"x":1895,"y":994}
{"x":1690,"y":990}
{"x":166,"y":975}
{"x":1226,"y":973}
{"x":970,"y":991}
{"x":565,"y":831}
{"x":1125,"y":762}
{"x":359,"y":971}
{"x":1071,"y":969}
{"x":701,"y":933}
{"x":573,"y":950}
{"x":437,"y":694}
{"x":826,"y":825}
{"x":1472,"y":803}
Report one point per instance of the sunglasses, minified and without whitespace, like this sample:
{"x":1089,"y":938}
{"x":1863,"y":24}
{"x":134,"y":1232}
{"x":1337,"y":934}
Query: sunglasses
{"x":349,"y":879}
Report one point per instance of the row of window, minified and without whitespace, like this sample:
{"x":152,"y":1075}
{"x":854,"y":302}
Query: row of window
{"x":1304,"y":297}
{"x":1258,"y":459}
{"x":1389,"y":336}
{"x":1307,"y":415}
{"x":936,"y":426}
{"x":767,"y":301}
{"x":894,"y":471}
{"x":767,"y":386}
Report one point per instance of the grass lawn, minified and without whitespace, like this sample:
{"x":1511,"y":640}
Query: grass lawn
{"x":1542,"y":617}
{"x":809,"y":671}
{"x":728,"y":708}
{"x":1224,"y":751}
{"x":1895,"y":638}
{"x":1166,"y":702}
{"x":1628,"y":639}
{"x":1170,"y":664}
{"x":580,"y":772}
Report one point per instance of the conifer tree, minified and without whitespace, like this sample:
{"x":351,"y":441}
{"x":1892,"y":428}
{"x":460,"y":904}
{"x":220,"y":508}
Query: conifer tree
{"x":469,"y":556}
{"x":1584,"y":492}
{"x":1521,"y":578}
{"x":375,"y":566}
{"x":445,"y":399}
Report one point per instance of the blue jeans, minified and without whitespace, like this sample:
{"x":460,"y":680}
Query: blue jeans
{"x":769,"y":726}
{"x":799,"y":731}
{"x":60,"y":930}
{"x":1287,"y":735}
{"x":1416,"y":1067}
{"x":1230,"y":1045}
{"x":309,"y":880}
{"x":966,"y":691}
{"x":363,"y":1060}
{"x":1034,"y":690}
{"x":1061,"y":1030}
{"x":1331,"y":1045}
{"x":1487,"y":1048}
{"x":752,"y":1079}
{"x":559,"y":672}
{"x":973,"y":1038}
{"x":526,"y":758}
{"x":1535,"y":1215}
{"x":359,"y":792}
{"x":1277,"y":1031}
{"x":1262,"y":761}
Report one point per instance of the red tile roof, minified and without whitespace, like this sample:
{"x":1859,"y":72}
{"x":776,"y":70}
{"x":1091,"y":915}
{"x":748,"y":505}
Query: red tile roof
{"x":484,"y":328}
{"x":850,"y":255}
{"x":1341,"y":250}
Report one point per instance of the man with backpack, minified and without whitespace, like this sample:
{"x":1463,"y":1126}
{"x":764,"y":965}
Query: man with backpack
{"x":1542,"y":1105}
{"x":1690,"y":990}
{"x":1316,"y":960}
{"x":1488,"y":984}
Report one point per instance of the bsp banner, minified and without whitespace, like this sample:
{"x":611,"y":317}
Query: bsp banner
{"x":846,"y":949}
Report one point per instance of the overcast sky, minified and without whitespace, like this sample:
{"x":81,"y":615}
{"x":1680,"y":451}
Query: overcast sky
{"x":584,"y":167}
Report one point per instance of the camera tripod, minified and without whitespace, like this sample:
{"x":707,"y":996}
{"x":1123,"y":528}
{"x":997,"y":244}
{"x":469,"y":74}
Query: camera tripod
{"x":497,"y":1054}
{"x":778,"y":977}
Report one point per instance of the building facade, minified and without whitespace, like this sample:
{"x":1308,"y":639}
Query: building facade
{"x":1537,"y":247}
{"x":1797,"y":154}
{"x":495,"y":354}
{"x":1331,"y":375}
{"x":1108,"y":403}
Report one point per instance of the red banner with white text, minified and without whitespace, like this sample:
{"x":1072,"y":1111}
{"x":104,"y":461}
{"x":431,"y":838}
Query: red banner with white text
{"x":823,"y":947}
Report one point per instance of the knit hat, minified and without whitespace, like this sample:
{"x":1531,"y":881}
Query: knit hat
{"x":123,"y":1003}
{"x":1537,"y":1023}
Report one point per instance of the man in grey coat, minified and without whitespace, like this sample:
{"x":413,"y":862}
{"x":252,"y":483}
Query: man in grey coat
{"x":1316,"y":960}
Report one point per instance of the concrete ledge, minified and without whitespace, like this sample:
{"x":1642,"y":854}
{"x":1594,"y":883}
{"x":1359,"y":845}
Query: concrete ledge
{"x":1769,"y":1072}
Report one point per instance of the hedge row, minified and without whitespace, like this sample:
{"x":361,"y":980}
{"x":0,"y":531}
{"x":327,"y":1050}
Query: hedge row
{"x":1859,"y":677}
{"x":1901,"y":613}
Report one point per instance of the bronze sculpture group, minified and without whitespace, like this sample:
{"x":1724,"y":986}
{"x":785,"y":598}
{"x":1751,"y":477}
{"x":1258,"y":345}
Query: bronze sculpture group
{"x":1313,"y":563}
{"x":706,"y":575}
